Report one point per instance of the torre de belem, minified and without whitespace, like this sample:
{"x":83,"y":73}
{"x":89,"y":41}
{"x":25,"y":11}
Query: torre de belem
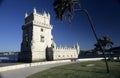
{"x":38,"y":43}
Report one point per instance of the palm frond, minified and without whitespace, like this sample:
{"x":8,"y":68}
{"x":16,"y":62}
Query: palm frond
{"x":61,"y":6}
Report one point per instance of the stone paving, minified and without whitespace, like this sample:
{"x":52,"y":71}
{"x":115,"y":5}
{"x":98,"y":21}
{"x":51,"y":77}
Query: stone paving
{"x":22,"y":73}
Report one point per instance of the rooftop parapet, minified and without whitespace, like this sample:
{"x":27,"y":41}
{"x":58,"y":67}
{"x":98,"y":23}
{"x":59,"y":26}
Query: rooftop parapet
{"x":45,"y":17}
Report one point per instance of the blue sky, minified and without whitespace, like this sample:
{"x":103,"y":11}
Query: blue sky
{"x":105,"y":15}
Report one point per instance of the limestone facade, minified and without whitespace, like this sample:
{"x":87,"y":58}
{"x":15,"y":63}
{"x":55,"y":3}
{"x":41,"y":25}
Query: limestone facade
{"x":38,"y":43}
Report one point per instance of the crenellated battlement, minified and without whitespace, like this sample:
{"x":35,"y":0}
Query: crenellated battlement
{"x":46,"y":15}
{"x":38,"y":17}
{"x":65,"y":48}
{"x":75,"y":47}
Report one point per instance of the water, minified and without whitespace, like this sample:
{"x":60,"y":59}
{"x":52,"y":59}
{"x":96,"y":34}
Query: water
{"x":14,"y":58}
{"x":8,"y":58}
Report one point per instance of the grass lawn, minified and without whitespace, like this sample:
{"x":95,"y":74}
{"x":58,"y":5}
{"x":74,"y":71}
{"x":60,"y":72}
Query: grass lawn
{"x":94,"y":69}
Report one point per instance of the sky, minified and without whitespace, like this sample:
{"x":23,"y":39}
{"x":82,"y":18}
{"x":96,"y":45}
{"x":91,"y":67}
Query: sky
{"x":104,"y":13}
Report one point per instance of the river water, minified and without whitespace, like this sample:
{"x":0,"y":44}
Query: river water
{"x":8,"y":58}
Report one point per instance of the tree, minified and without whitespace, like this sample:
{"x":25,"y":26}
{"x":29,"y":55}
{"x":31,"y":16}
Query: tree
{"x":105,"y":43}
{"x":62,"y":7}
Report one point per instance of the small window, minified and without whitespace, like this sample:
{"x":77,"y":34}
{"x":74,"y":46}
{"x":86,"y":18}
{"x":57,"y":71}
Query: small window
{"x":42,"y":39}
{"x":41,"y":30}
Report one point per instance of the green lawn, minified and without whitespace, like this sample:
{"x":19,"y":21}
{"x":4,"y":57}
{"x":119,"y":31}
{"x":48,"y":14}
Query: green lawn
{"x":81,"y":70}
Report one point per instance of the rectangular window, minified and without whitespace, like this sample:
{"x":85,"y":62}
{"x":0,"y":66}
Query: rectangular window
{"x":42,"y":39}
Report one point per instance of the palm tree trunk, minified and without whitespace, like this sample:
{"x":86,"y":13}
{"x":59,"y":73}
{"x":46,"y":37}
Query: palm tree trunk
{"x":94,"y":32}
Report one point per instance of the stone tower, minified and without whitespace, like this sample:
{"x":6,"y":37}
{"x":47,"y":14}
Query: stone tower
{"x":36,"y":37}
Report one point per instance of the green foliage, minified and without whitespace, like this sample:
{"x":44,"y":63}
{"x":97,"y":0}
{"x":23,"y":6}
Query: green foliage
{"x":105,"y":42}
{"x":81,"y":70}
{"x":64,"y":8}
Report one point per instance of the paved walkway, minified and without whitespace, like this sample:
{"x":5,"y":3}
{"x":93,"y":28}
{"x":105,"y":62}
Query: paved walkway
{"x":22,"y":73}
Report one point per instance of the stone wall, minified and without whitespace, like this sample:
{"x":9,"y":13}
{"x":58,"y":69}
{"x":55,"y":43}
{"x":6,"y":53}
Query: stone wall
{"x":58,"y":53}
{"x":64,"y":53}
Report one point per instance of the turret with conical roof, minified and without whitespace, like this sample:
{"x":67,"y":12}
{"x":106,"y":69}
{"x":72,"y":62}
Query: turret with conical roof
{"x":34,"y":11}
{"x":26,"y":14}
{"x":77,"y":47}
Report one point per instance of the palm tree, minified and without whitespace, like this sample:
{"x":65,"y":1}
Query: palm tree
{"x":108,"y":41}
{"x":105,"y":43}
{"x":62,"y":7}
